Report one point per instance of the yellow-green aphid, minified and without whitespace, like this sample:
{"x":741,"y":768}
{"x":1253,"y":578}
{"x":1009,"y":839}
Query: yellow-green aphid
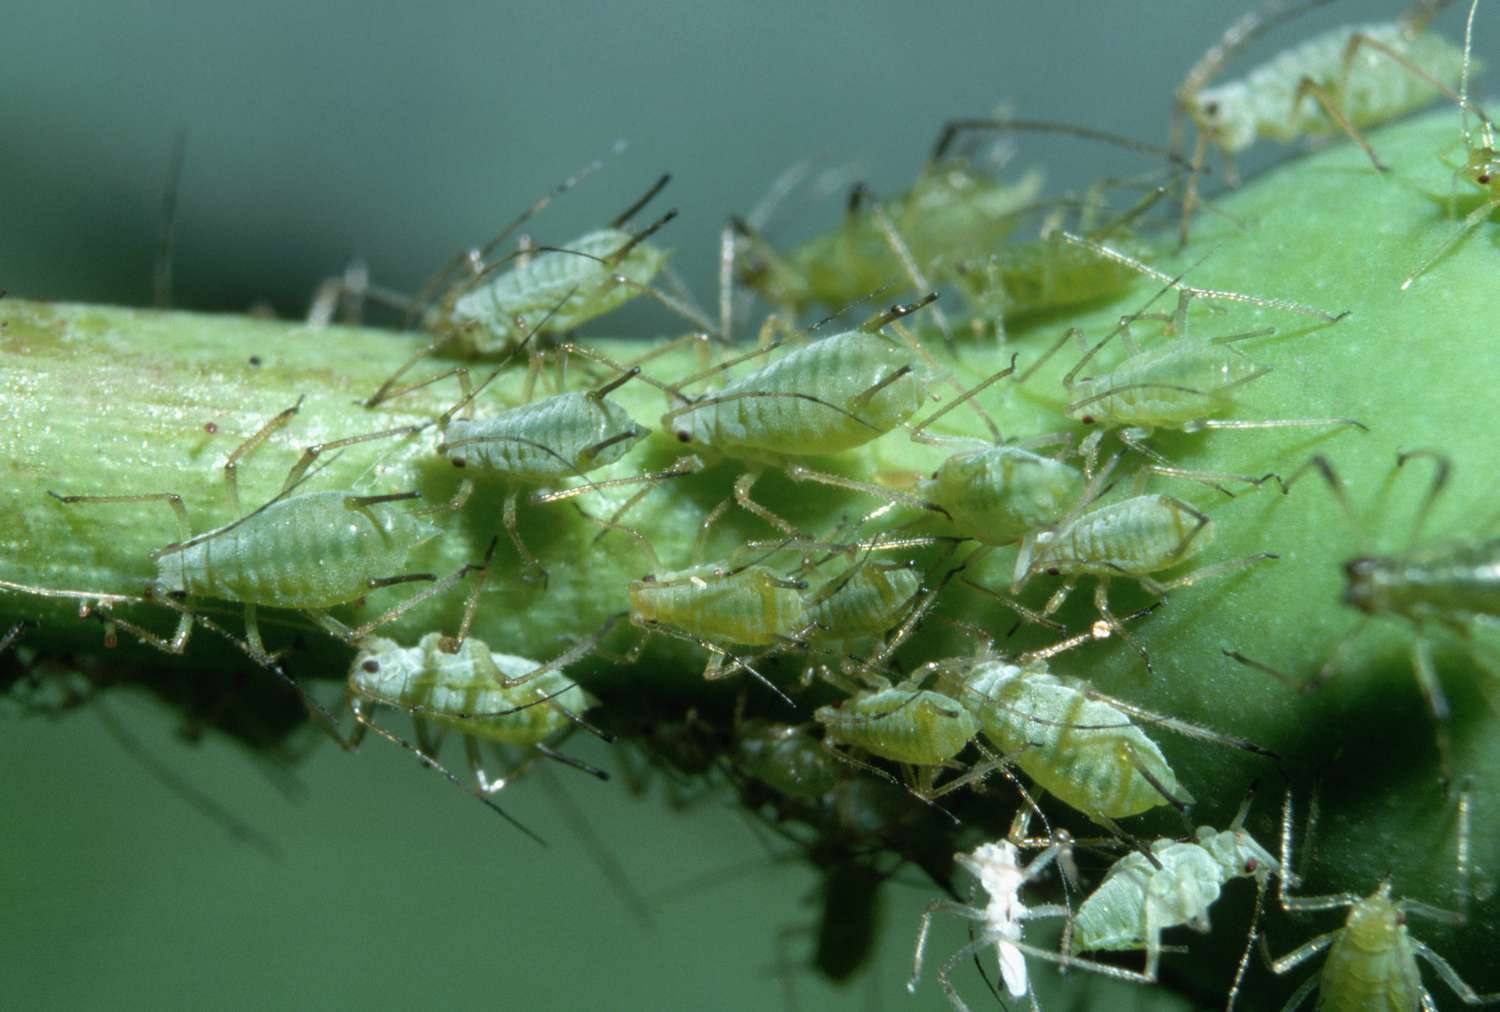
{"x":1342,"y":80}
{"x":831,"y":395}
{"x":902,"y":723}
{"x":750,"y":605}
{"x":465,"y":691}
{"x":787,"y":758}
{"x":1481,"y":167}
{"x":1071,"y":741}
{"x":1142,"y":896}
{"x":1371,"y":964}
{"x":310,"y":551}
{"x":1000,"y":493}
{"x":951,"y":212}
{"x":557,"y":289}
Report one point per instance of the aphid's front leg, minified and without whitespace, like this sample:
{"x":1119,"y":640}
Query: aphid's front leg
{"x":742,"y":486}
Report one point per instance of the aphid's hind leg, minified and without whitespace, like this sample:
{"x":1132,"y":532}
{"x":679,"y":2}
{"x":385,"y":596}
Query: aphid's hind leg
{"x":1437,"y":701}
{"x":1470,"y":222}
{"x":1215,"y":571}
{"x":533,"y":570}
{"x":1309,"y":86}
{"x":1450,"y":977}
{"x":799,"y":473}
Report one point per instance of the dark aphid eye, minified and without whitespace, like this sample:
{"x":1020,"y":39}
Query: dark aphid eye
{"x":1250,"y":865}
{"x":371,"y":665}
{"x":684,"y":437}
{"x":1483,"y":178}
{"x":460,"y":462}
{"x":1210,"y":108}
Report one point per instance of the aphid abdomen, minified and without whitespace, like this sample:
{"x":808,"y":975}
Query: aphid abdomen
{"x":1084,"y":751}
{"x":305,"y":551}
{"x":866,"y":601}
{"x":463,"y":691}
{"x":516,"y":302}
{"x":813,"y":400}
{"x":999,"y":494}
{"x":1140,"y":535}
{"x":545,"y":441}
{"x":1048,"y":274}
{"x":1138,"y":900}
{"x":1371,"y":966}
{"x":751,"y":606}
{"x":901,"y":724}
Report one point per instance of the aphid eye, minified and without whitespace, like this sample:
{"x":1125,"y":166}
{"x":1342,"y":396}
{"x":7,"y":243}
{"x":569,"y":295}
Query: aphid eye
{"x":934,"y":476}
{"x":1211,"y":109}
{"x":1053,"y":571}
{"x":460,"y":462}
{"x":684,"y":437}
{"x":1251,"y":864}
{"x":371,"y":665}
{"x":1087,"y":419}
{"x":1483,"y":177}
{"x":210,"y":428}
{"x":1400,"y":917}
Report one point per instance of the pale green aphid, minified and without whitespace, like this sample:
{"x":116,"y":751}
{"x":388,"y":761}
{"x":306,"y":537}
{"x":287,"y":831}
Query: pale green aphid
{"x":1142,"y":896}
{"x":713,"y":606}
{"x":1481,"y":166}
{"x":556,"y":289}
{"x":310,"y":551}
{"x":1000,"y":493}
{"x":951,"y":212}
{"x":559,"y":437}
{"x":1133,"y":537}
{"x":1073,"y":742}
{"x":1451,"y":583}
{"x":788,"y":758}
{"x":1372,"y":959}
{"x":1345,"y":79}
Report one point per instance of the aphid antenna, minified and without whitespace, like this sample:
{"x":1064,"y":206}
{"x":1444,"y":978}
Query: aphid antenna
{"x":1321,"y":465}
{"x":432,"y":762}
{"x":867,"y":297}
{"x":965,"y":397}
{"x":1442,"y":469}
{"x":902,"y":251}
{"x":953,"y":128}
{"x":166,"y":230}
{"x":585,"y":646}
{"x":433,"y":290}
{"x":1212,"y":294}
{"x":642,"y":201}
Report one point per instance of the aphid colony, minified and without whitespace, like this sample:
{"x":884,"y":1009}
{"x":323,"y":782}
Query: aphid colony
{"x":835,"y":612}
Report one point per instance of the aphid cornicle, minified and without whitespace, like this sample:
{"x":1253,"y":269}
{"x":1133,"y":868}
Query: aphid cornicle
{"x":309,"y":551}
{"x":1345,"y":79}
{"x":1372,"y":959}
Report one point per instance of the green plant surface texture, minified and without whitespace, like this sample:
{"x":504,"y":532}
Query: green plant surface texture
{"x":106,"y":401}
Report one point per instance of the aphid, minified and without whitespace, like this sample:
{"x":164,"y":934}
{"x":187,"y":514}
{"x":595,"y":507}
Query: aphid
{"x":713,"y":606}
{"x":1000,"y":493}
{"x":952,"y":211}
{"x":1346,"y":79}
{"x":1450,"y":583}
{"x":1143,"y":896}
{"x":590,"y":276}
{"x":466,"y":692}
{"x":832,"y":395}
{"x":866,"y":599}
{"x":1186,"y":384}
{"x":308,"y":551}
{"x":553,"y":439}
{"x":1372,"y":959}
{"x":1133,"y":537}
{"x":1481,"y":167}
{"x":787,"y":758}
{"x":997,"y":869}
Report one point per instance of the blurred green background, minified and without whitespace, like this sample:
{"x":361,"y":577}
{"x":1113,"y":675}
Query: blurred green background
{"x":402,"y":133}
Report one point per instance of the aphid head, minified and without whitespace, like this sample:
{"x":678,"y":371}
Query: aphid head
{"x":1223,"y":113}
{"x":1375,"y":923}
{"x":1365,"y":586}
{"x":1483,"y":169}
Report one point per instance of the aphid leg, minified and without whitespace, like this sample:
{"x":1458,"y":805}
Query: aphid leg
{"x":925,"y":926}
{"x":172,"y":499}
{"x":1442,"y":468}
{"x":1132,"y":438}
{"x":918,"y":432}
{"x":1445,"y":970}
{"x":1213,"y":572}
{"x":311,"y":453}
{"x":437,"y":586}
{"x":1437,"y":701}
{"x":1034,"y":617}
{"x":428,"y":760}
{"x":797,"y":472}
{"x":899,"y":247}
{"x":1471,"y":221}
{"x":532,"y":568}
{"x":1187,"y":730}
{"x":874,"y":770}
{"x":1320,"y":464}
{"x":742,"y":486}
